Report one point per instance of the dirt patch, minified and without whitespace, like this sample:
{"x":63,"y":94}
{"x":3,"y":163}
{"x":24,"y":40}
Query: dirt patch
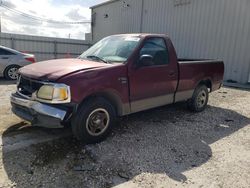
{"x":50,"y":152}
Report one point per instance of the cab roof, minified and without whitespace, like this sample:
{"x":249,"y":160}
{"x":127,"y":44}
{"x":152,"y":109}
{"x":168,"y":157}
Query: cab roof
{"x":142,"y":35}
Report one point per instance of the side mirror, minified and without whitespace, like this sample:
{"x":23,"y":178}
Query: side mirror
{"x":146,"y":60}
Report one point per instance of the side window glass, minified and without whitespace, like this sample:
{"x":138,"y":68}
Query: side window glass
{"x":1,"y":52}
{"x":156,"y":47}
{"x":5,"y":52}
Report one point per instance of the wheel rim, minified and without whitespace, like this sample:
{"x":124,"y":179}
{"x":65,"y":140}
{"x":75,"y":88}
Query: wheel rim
{"x":12,"y":73}
{"x":201,"y":99}
{"x":97,"y":122}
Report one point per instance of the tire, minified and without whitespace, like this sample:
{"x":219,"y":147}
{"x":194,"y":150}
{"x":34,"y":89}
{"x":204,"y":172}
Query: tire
{"x":199,"y":100}
{"x":10,"y":73}
{"x":93,"y":121}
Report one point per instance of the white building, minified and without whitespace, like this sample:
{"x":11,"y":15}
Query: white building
{"x":213,"y":29}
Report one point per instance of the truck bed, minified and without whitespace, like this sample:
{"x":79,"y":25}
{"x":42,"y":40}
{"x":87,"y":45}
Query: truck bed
{"x":191,"y":71}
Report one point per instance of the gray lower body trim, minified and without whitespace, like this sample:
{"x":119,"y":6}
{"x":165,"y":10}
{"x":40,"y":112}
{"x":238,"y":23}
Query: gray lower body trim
{"x":125,"y":109}
{"x":149,"y":103}
{"x":183,"y":95}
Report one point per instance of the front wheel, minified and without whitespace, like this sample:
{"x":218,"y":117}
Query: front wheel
{"x":93,"y":121}
{"x":199,"y":100}
{"x":10,"y":72}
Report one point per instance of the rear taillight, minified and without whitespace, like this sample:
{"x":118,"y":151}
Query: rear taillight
{"x":31,"y":59}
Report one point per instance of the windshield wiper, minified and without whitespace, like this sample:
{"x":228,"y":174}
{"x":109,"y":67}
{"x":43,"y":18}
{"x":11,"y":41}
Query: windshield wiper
{"x":98,"y":58}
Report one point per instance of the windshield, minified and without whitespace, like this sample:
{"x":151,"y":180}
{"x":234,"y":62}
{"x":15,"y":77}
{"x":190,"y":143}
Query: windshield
{"x":113,"y":49}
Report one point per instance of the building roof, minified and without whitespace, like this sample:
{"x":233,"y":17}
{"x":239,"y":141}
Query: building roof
{"x":104,"y":3}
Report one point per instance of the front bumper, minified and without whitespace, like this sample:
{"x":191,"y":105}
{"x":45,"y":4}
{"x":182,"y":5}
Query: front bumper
{"x":39,"y":114}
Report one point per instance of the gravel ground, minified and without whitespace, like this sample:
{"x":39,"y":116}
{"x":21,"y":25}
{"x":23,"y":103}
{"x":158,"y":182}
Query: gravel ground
{"x":163,"y":147}
{"x":7,"y":118}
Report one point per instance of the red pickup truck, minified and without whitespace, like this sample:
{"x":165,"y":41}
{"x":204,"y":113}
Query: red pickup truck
{"x":119,"y":75}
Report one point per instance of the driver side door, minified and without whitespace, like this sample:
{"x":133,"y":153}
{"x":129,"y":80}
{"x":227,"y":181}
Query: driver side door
{"x":154,"y":85}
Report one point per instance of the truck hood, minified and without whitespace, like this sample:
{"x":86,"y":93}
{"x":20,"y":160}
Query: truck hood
{"x":54,"y":69}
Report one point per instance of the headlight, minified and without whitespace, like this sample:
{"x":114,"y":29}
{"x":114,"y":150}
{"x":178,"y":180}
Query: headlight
{"x":54,"y":93}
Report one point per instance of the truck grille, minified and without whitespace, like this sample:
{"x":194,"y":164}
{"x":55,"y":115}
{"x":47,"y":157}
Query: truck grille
{"x":27,"y":86}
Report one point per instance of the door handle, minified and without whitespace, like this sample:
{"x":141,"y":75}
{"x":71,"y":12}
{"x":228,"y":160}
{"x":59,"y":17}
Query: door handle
{"x":171,"y":73}
{"x":123,"y":80}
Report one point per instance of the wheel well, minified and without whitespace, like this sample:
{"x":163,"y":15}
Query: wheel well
{"x":110,"y":97}
{"x":207,"y":83}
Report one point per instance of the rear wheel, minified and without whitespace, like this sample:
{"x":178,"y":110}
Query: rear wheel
{"x":93,"y":121}
{"x":199,"y":100}
{"x":10,"y":72}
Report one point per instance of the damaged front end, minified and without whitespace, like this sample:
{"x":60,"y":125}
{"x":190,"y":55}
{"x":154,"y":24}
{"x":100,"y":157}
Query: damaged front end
{"x":43,"y":104}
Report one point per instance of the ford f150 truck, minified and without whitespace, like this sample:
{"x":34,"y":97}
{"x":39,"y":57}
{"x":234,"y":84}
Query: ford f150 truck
{"x":119,"y":75}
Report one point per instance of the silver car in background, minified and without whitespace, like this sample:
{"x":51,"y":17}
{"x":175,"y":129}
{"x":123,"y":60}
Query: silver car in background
{"x":11,"y":60}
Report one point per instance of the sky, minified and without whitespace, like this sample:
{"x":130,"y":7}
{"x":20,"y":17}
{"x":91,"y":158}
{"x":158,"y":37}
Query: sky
{"x":58,"y":10}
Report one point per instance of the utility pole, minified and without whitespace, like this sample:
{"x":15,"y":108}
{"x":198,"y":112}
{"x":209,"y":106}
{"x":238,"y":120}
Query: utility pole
{"x":142,"y":14}
{"x":1,"y":2}
{"x":1,"y":23}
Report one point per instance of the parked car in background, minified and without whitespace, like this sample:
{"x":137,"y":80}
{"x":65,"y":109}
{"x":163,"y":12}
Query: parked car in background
{"x":11,"y":60}
{"x":119,"y":75}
